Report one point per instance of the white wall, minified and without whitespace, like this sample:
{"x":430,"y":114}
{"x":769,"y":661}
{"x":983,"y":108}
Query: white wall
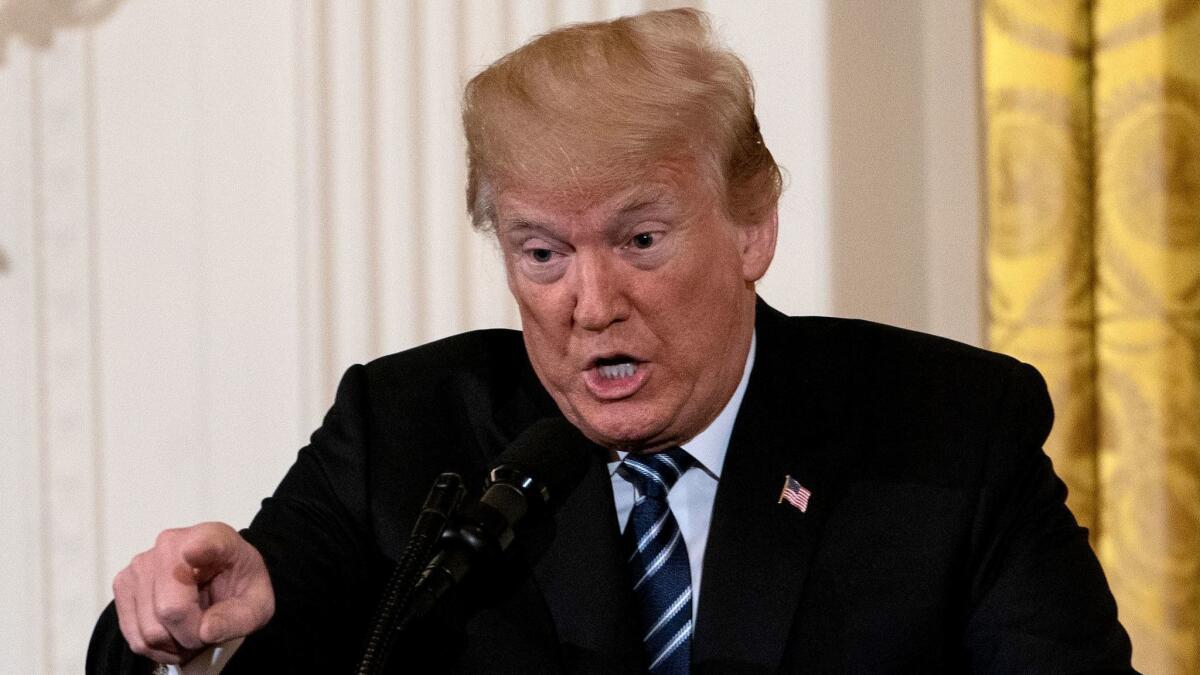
{"x":208,"y":210}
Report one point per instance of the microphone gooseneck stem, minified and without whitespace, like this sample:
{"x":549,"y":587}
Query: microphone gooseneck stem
{"x":440,"y":505}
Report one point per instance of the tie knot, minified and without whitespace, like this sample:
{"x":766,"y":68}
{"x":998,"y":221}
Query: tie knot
{"x":656,"y":473}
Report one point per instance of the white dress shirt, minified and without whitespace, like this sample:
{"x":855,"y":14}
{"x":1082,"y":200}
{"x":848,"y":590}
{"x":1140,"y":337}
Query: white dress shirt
{"x":691,"y":502}
{"x":692,"y":496}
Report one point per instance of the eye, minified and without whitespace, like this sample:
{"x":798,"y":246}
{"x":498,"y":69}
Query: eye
{"x":538,"y":251}
{"x":644,"y":240}
{"x":540,"y":259}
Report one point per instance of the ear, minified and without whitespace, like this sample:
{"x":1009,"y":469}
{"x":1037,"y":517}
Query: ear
{"x":756,"y":243}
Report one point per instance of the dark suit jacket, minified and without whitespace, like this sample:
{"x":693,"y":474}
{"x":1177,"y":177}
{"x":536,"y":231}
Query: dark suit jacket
{"x":936,"y":538}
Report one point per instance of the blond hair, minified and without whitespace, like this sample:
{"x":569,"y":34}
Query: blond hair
{"x":590,"y":107}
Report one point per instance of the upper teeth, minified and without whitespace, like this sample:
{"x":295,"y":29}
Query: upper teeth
{"x":618,"y":370}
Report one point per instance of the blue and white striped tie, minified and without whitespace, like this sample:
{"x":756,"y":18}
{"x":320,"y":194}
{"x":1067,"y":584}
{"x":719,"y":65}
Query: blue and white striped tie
{"x":662,"y":578}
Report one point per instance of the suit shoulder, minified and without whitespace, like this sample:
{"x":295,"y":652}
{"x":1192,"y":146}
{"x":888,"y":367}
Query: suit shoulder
{"x":477,"y":348}
{"x":493,"y":355}
{"x":906,"y":379}
{"x":929,"y":409}
{"x":881,"y":347}
{"x":466,"y":390}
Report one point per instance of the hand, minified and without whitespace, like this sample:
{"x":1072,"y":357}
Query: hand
{"x":198,"y":586}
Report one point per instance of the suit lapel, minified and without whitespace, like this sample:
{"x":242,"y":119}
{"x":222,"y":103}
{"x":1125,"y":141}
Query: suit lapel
{"x":585,"y":582}
{"x":576,"y":560}
{"x":759,"y":551}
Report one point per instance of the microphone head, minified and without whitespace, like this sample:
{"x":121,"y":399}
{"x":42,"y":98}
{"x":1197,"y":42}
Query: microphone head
{"x":548,"y":459}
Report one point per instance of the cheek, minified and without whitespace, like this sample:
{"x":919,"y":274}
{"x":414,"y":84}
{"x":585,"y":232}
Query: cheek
{"x":542,"y":308}
{"x":510,"y":278}
{"x":706,"y":290}
{"x":704,"y":305}
{"x":545,"y":326}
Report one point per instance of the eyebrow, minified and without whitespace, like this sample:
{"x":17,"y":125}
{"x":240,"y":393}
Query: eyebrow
{"x":650,"y":199}
{"x":519,"y":223}
{"x":640,"y":206}
{"x":653,"y":206}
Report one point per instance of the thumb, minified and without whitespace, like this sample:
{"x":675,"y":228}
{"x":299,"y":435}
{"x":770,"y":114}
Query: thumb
{"x":218,"y":623}
{"x":233,"y":618}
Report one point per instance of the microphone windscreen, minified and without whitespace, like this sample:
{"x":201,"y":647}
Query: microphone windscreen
{"x":553,"y":452}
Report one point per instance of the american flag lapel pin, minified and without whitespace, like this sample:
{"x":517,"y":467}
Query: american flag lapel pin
{"x":795,"y":494}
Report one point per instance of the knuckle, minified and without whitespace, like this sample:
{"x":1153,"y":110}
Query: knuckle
{"x":121,"y":581}
{"x":170,"y":613}
{"x":140,"y":561}
{"x":166,"y":537}
{"x":157,"y":637}
{"x":215,"y":527}
{"x":137,"y":644}
{"x":213,"y":532}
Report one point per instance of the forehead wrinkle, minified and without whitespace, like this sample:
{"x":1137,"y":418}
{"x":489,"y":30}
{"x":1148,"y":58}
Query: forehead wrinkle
{"x":551,"y":212}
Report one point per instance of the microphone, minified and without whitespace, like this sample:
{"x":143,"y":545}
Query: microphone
{"x":441,"y":502}
{"x":531,"y":477}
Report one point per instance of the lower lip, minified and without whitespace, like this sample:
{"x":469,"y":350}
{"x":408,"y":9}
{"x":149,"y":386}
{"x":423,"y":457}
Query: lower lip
{"x":616,"y":388}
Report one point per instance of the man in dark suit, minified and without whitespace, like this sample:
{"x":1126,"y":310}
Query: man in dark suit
{"x":806,"y":494}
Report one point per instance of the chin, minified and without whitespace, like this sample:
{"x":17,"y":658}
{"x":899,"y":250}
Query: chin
{"x":617,"y":431}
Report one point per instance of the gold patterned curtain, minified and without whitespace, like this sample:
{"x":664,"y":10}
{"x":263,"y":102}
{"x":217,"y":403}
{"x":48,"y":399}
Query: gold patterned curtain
{"x":1092,"y":113}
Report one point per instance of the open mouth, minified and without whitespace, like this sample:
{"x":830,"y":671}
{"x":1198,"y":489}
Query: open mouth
{"x":615,"y":376}
{"x":616,"y":367}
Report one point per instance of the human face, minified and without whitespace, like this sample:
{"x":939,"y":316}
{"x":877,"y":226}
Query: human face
{"x":638,"y":306}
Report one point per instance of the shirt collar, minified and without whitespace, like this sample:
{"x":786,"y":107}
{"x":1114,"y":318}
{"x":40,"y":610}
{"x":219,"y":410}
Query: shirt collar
{"x":709,"y":446}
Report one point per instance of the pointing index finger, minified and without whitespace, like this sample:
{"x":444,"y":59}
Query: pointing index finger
{"x":209,"y":549}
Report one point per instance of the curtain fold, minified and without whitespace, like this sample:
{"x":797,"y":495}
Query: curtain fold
{"x":1039,"y":206}
{"x":1092,"y":113}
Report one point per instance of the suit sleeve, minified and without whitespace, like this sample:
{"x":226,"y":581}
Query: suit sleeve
{"x":314,"y":535}
{"x":1039,"y":601}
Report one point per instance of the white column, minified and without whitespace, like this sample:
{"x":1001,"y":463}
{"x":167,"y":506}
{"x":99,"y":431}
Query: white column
{"x":23,"y":614}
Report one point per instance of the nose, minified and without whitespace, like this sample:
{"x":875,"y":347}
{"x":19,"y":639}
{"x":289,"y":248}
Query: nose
{"x":599,"y":293}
